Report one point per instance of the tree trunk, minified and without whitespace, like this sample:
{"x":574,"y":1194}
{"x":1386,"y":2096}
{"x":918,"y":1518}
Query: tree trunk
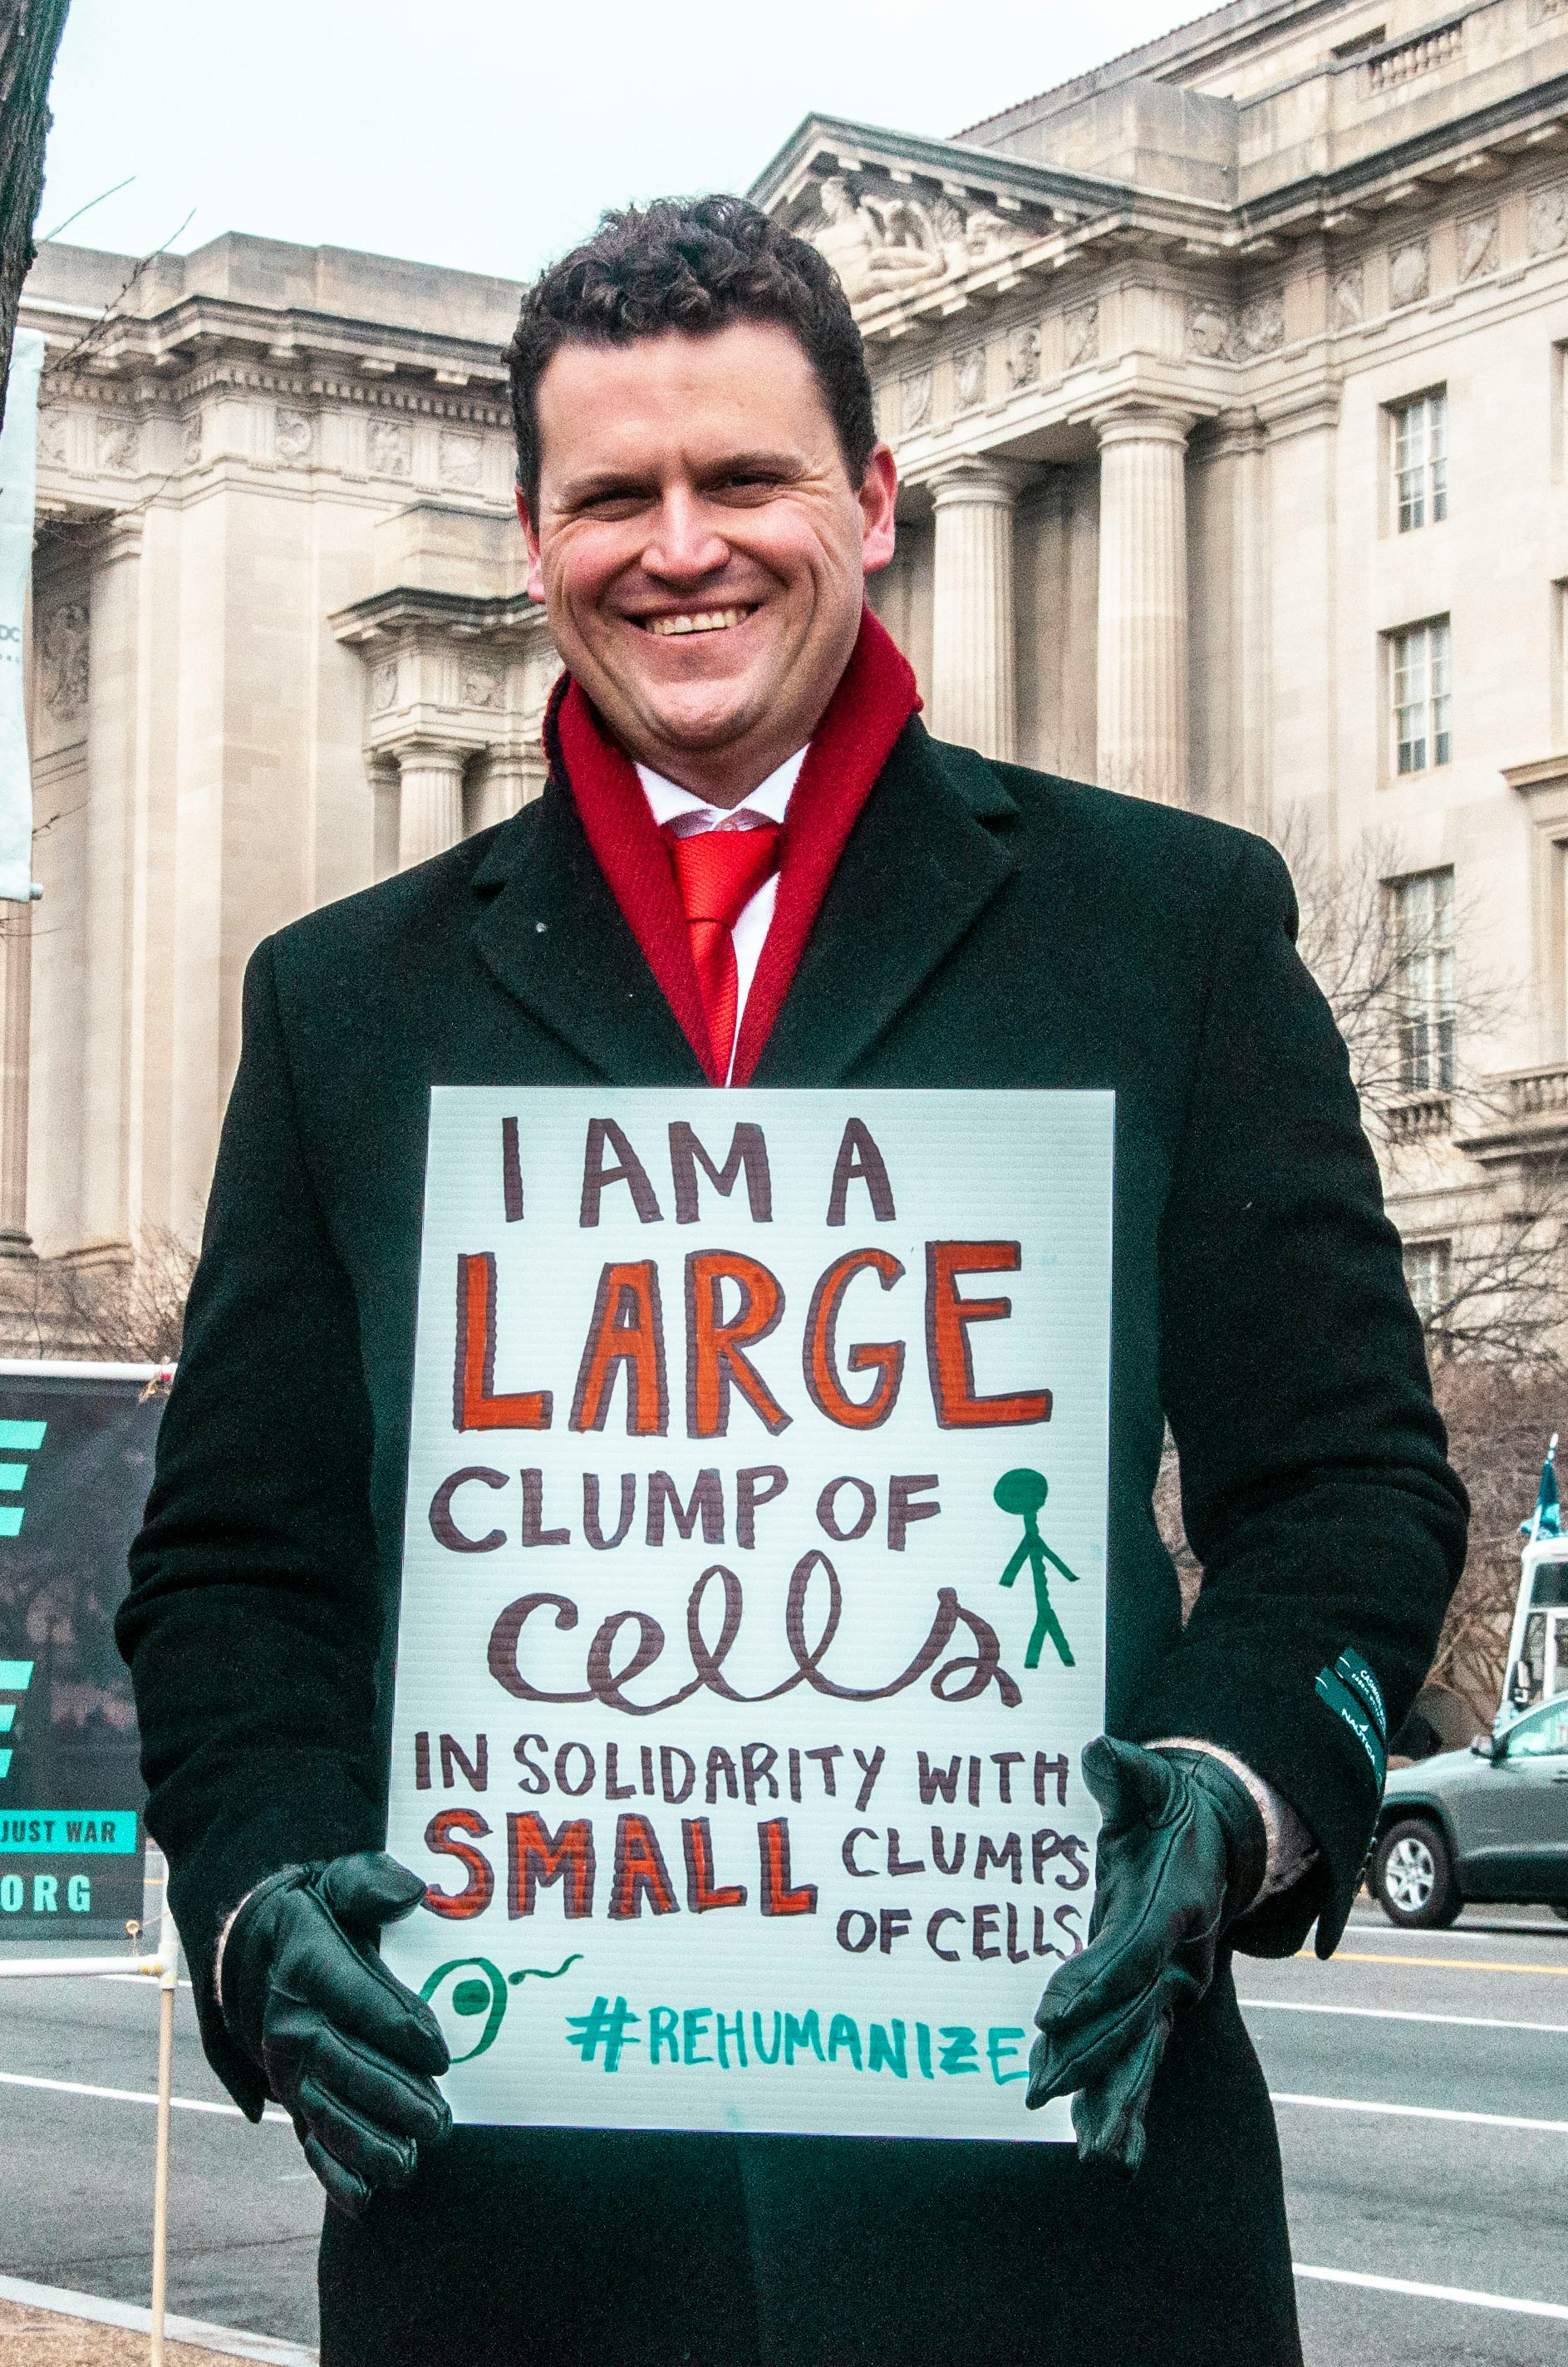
{"x":29,"y":36}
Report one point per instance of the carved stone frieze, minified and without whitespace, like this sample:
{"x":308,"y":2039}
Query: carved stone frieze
{"x":1347,"y":297}
{"x":969,"y":378}
{"x":191,"y":447}
{"x":1409,"y":274}
{"x":480,"y":685}
{"x":383,"y":686}
{"x":1023,"y":354}
{"x":116,"y":444}
{"x":292,"y":436}
{"x":915,"y":406}
{"x":1546,"y":223}
{"x":388,"y":448}
{"x":892,"y":241}
{"x":63,"y":660}
{"x":1212,"y":331}
{"x":1478,"y":247}
{"x":459,"y":461}
{"x":1262,"y":323}
{"x":1081,"y":332}
{"x":225,"y":373}
{"x":51,"y":439}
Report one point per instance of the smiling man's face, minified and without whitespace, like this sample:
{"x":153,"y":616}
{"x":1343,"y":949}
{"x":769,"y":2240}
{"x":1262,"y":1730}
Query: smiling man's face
{"x":699,"y":547}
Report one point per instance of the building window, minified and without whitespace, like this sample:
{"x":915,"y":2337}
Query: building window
{"x":1423,"y":673}
{"x":1429,"y":1277}
{"x":1422,"y":911}
{"x":1421,"y":461}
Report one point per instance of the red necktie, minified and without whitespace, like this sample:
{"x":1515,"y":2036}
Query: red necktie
{"x":718,"y":872}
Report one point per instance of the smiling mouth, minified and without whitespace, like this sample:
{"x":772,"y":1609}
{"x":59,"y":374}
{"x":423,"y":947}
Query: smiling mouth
{"x":697,"y":620}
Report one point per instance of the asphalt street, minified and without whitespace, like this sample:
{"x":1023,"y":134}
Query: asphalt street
{"x":1421,"y":2084}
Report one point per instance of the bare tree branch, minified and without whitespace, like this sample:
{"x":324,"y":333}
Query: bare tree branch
{"x":121,"y":1314}
{"x":29,"y":38}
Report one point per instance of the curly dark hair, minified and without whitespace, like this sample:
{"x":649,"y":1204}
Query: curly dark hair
{"x":696,"y":265}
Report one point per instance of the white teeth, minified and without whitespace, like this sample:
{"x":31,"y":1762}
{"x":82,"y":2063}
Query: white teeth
{"x":710,"y":620}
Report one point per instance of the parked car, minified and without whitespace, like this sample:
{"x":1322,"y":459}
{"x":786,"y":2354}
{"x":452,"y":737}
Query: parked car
{"x":1486,"y":1824}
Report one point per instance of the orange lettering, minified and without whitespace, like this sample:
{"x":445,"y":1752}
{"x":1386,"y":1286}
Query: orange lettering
{"x":714,"y":1355}
{"x":626,"y":1328}
{"x":476,"y":1893}
{"x":474,"y":1406}
{"x":540,"y":1856}
{"x":886,"y":1358}
{"x":948,"y":1318}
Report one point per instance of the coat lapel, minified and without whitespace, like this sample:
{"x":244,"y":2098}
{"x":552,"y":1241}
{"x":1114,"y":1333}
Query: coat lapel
{"x":549,"y":930}
{"x":925,"y":857}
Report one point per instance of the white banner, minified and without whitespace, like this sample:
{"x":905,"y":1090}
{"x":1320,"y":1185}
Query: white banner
{"x":753,"y":1602}
{"x":18,"y":453}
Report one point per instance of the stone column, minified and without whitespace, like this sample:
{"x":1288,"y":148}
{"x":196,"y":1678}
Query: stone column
{"x":1143,"y":600}
{"x":508,"y":781}
{"x":16,"y":1029}
{"x":1228,"y":651}
{"x":430,"y":800}
{"x":974,"y":687}
{"x":117,"y":697}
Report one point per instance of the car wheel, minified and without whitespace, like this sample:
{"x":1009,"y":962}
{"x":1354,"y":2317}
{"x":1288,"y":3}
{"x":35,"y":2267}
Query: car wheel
{"x":1413,"y":1877}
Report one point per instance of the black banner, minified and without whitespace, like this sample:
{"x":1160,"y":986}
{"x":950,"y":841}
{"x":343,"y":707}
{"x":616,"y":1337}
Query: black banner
{"x":77,"y":1444}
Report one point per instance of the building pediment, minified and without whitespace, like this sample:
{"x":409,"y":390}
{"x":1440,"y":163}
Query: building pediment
{"x":914,"y":225}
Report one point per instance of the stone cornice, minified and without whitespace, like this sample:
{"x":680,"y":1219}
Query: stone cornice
{"x":1488,"y":143}
{"x":829,"y":143}
{"x":198,"y":328}
{"x":1049,"y":219}
{"x":1542,"y":773}
{"x":216,"y":374}
{"x":503,"y":619}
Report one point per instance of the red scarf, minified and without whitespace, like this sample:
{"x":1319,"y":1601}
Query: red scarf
{"x":875,"y":698}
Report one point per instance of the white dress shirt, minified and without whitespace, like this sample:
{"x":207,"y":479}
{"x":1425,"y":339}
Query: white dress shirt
{"x":679,"y":810}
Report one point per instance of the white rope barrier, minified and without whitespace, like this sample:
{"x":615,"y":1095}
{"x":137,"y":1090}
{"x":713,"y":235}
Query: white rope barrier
{"x":164,"y":1968}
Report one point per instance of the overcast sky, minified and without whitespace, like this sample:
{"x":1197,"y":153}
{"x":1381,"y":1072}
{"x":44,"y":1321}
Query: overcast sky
{"x":489,"y":133}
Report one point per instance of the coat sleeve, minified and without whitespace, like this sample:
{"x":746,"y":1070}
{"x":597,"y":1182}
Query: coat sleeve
{"x":1315,"y":1484}
{"x":253,"y":1623}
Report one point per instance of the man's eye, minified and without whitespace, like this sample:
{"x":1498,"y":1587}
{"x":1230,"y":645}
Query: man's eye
{"x":612,"y":505}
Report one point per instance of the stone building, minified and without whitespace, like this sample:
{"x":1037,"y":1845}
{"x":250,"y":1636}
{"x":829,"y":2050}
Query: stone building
{"x":1228,"y":388}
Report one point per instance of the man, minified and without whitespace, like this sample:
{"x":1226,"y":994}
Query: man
{"x":751,"y":864}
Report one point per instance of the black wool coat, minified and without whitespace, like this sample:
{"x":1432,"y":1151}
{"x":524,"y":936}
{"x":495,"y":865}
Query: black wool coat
{"x":987,"y":926}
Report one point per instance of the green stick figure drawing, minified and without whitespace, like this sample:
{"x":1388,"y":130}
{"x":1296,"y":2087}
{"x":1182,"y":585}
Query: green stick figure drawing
{"x":1023,"y":1492}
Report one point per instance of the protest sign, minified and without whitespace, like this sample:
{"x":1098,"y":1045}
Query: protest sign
{"x":753,"y":1602}
{"x":76,"y":1447}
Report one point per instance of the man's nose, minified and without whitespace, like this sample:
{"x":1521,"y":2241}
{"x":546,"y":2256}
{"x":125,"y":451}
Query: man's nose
{"x":685,"y":544}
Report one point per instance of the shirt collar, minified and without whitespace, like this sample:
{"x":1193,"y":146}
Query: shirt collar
{"x":768,"y":801}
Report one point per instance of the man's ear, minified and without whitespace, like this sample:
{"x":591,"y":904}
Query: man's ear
{"x":530,"y":535}
{"x":877,"y":498}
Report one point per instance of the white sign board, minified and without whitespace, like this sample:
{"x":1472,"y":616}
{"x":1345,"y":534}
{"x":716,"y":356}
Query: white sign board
{"x":753,"y":1603}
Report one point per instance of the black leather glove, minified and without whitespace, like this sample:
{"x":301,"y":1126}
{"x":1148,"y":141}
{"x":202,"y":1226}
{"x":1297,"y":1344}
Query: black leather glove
{"x":349,"y":2052}
{"x":1182,"y":1853}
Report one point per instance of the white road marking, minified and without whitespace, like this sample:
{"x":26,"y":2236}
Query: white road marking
{"x":132,"y":2096}
{"x":1278,"y":2096}
{"x":1435,"y":2292}
{"x":1396,"y":2013}
{"x":1418,"y":2113}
